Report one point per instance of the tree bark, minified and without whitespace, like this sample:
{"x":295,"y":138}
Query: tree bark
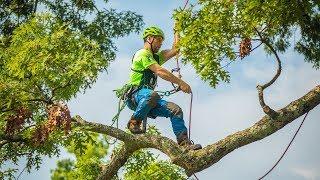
{"x":195,"y":161}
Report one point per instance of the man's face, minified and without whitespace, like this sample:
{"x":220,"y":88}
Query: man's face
{"x":156,"y":42}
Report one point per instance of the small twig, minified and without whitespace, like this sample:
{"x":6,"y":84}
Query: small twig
{"x":2,"y":143}
{"x":272,"y":113}
{"x":26,"y":128}
{"x":6,"y":110}
{"x":277,"y":58}
{"x":236,"y":52}
{"x":255,"y":39}
{"x":11,"y":139}
{"x":59,"y":87}
{"x":39,"y":100}
{"x":96,"y":8}
{"x":264,"y":28}
{"x":35,"y":6}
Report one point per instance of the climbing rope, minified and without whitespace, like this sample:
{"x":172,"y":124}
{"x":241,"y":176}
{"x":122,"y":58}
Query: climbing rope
{"x":185,"y":5}
{"x":190,"y":114}
{"x":191,"y":95}
{"x":286,"y":148}
{"x":166,"y":93}
{"x":195,"y":176}
{"x":115,"y":119}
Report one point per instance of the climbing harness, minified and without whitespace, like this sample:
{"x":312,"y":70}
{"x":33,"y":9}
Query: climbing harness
{"x":286,"y":147}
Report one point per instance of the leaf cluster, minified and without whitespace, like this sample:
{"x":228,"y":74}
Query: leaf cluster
{"x":45,"y":59}
{"x":90,"y":150}
{"x":211,"y":31}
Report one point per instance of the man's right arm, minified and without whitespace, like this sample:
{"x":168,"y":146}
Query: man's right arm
{"x":168,"y":76}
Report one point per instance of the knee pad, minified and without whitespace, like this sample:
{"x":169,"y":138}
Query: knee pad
{"x":154,"y":97}
{"x":175,"y":109}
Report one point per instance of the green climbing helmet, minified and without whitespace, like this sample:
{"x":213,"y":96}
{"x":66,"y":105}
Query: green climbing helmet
{"x":152,"y":31}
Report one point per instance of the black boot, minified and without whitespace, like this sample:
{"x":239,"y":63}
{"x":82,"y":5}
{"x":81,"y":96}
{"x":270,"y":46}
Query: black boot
{"x":184,"y":141}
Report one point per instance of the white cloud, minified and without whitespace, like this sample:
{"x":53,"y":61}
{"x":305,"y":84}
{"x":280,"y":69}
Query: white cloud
{"x":307,"y":173}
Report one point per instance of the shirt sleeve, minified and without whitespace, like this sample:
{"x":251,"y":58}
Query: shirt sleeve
{"x":161,"y":58}
{"x":147,"y":60}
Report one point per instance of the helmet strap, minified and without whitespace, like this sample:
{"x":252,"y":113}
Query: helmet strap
{"x":151,"y":46}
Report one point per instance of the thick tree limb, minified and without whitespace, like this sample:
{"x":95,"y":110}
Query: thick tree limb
{"x":211,"y":154}
{"x":118,"y":159}
{"x":195,"y":161}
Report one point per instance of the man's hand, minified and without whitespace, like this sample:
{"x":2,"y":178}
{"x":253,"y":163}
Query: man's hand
{"x":176,"y":41}
{"x":169,"y":53}
{"x":168,"y":76}
{"x":185,"y":87}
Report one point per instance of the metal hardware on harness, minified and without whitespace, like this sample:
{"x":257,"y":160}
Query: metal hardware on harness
{"x":175,"y":69}
{"x":144,"y":125}
{"x":175,"y":88}
{"x":168,"y":93}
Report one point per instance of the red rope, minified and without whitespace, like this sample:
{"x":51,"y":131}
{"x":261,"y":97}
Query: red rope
{"x":286,"y":148}
{"x":195,"y":176}
{"x":190,"y":113}
{"x":191,"y":98}
{"x":185,"y":5}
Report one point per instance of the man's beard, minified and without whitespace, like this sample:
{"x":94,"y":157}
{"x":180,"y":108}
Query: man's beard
{"x":155,"y":49}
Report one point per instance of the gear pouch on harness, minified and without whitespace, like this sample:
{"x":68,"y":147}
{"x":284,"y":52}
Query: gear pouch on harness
{"x":125,"y":93}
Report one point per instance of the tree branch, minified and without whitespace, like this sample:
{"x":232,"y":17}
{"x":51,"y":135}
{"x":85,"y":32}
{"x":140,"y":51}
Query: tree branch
{"x":211,"y":154}
{"x":35,"y":6}
{"x":3,"y":110}
{"x":59,"y":87}
{"x":195,"y":161}
{"x":9,"y":139}
{"x":40,"y":100}
{"x":139,"y":141}
{"x":118,"y":159}
{"x":132,"y":143}
{"x":269,"y":111}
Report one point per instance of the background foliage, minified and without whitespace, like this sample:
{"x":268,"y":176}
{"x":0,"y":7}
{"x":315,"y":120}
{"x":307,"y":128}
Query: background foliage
{"x":45,"y":59}
{"x":212,"y":31}
{"x":143,"y":164}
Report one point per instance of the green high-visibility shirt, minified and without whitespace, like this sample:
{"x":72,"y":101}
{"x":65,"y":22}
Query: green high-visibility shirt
{"x":142,"y":60}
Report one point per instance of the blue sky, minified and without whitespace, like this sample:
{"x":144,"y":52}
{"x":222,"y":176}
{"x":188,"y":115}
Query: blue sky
{"x":216,"y":112}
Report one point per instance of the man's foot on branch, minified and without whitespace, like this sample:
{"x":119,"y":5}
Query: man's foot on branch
{"x":184,"y":141}
{"x":135,"y":126}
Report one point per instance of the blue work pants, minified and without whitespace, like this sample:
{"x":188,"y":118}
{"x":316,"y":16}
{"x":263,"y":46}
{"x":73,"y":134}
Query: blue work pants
{"x":147,"y":103}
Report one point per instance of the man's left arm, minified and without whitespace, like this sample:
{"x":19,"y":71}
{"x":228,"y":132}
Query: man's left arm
{"x":169,"y":53}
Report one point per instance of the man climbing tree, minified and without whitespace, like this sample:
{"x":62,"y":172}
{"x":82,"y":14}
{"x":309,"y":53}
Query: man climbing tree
{"x":45,"y":59}
{"x":141,"y":97}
